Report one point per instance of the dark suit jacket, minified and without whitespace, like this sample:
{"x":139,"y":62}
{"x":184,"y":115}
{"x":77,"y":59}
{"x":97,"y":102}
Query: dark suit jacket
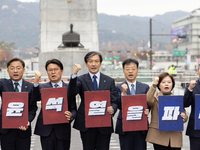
{"x":84,"y":83}
{"x":6,"y":85}
{"x":141,"y":88}
{"x":189,"y":99}
{"x":62,"y":131}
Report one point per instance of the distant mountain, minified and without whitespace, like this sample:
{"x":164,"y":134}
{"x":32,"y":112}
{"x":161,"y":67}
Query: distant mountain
{"x":19,"y":23}
{"x":138,"y":27}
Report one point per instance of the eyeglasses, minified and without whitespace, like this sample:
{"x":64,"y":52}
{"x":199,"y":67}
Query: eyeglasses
{"x":15,"y":68}
{"x":128,"y":69}
{"x":53,"y":69}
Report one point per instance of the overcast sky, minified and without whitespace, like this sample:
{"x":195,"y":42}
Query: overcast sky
{"x":143,"y":7}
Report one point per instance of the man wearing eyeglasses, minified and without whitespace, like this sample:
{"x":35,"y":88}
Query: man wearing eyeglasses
{"x":17,"y":139}
{"x":54,"y":136}
{"x":133,"y":140}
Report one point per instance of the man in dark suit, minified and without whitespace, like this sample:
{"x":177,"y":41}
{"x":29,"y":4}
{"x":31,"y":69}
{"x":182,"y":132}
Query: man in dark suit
{"x":17,"y":139}
{"x":92,"y":138}
{"x":54,"y":136}
{"x":133,"y":140}
{"x":189,"y":100}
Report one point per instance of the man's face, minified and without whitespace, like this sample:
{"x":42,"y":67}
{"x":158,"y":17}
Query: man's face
{"x":93,"y":64}
{"x":130,"y":72}
{"x":16,"y":71}
{"x":54,"y":73}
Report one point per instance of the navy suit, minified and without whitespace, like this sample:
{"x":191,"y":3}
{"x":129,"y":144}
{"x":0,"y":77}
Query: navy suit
{"x":84,"y":83}
{"x":61,"y":131}
{"x":189,"y":100}
{"x":6,"y":85}
{"x":134,"y":140}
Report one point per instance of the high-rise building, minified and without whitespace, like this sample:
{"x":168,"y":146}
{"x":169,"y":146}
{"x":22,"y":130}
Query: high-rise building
{"x":185,"y":35}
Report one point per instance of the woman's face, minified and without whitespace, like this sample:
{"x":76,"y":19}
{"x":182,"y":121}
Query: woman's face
{"x":166,"y":85}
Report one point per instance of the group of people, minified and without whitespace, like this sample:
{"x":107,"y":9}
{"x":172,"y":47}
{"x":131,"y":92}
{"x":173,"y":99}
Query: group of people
{"x":57,"y":136}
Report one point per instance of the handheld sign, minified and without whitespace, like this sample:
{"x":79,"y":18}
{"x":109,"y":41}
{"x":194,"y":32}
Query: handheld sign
{"x":54,"y":104}
{"x":96,"y":103}
{"x":133,"y":116}
{"x":197,"y":112}
{"x":14,"y":110}
{"x":169,"y":110}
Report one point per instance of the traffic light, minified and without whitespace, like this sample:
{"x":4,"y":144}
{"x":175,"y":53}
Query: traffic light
{"x":106,"y":58}
{"x":135,"y":54}
{"x":110,"y":58}
{"x":147,"y":54}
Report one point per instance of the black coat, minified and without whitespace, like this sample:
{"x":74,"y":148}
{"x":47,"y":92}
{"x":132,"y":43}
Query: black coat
{"x":141,"y":88}
{"x":189,"y":100}
{"x":84,"y":83}
{"x":62,"y":131}
{"x":6,"y":85}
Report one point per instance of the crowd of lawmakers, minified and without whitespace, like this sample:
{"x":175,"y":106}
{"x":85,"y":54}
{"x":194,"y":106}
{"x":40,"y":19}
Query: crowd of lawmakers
{"x":56,"y":136}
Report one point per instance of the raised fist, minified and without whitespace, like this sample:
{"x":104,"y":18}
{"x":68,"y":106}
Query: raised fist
{"x":124,"y":88}
{"x":192,"y":84}
{"x":37,"y":77}
{"x":155,"y":81}
{"x":77,"y":67}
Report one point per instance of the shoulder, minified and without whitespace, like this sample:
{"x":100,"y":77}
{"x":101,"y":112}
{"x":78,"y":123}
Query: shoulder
{"x":45,"y":85}
{"x":28,"y":83}
{"x":83,"y":76}
{"x":142,"y":84}
{"x":105,"y":76}
{"x":65,"y":84}
{"x":119,"y":85}
{"x":4,"y":80}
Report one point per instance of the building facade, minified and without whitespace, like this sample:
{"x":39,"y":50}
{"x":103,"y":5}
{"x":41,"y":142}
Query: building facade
{"x":185,"y":35}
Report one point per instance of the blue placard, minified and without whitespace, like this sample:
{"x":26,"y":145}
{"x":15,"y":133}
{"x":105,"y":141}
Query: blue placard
{"x":197,"y":112}
{"x":169,"y":110}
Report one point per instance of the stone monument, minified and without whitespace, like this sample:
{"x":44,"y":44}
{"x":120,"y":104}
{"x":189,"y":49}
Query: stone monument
{"x":55,"y":19}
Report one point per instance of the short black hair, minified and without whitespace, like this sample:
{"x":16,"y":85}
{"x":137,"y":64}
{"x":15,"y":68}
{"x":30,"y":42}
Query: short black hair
{"x":15,"y":59}
{"x":91,"y":54}
{"x":54,"y":61}
{"x":128,"y":61}
{"x":162,"y":76}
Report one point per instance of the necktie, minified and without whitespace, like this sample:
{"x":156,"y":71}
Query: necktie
{"x":95,"y":83}
{"x":16,"y":88}
{"x":132,"y":90}
{"x":56,"y":85}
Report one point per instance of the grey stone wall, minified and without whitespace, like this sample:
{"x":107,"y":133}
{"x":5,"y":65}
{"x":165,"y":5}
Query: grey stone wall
{"x":56,"y":17}
{"x":68,"y":56}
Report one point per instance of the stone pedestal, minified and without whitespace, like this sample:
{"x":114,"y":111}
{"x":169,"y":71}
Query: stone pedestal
{"x":56,"y":17}
{"x":68,"y":57}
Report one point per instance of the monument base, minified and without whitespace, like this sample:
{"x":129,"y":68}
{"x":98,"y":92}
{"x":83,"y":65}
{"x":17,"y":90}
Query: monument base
{"x":68,"y":57}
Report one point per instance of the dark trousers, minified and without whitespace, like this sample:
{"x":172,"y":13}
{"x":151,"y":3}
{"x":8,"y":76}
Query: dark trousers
{"x":93,"y":139}
{"x":160,"y":147}
{"x":194,"y":143}
{"x":134,"y":140}
{"x":12,"y":141}
{"x":51,"y":142}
